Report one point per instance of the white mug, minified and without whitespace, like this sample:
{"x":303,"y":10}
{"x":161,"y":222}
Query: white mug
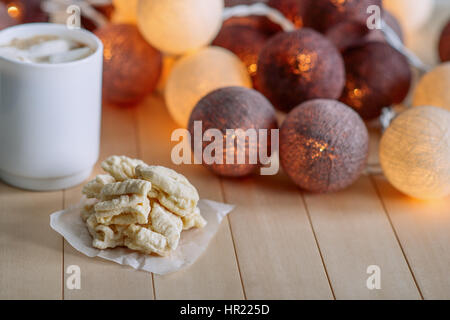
{"x":50,"y":114}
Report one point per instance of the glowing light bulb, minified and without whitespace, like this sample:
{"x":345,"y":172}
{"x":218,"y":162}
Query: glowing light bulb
{"x":415,"y":152}
{"x":131,"y":67}
{"x":5,"y":17}
{"x":433,"y":88}
{"x":13,"y":11}
{"x":199,"y":73}
{"x":179,"y":26}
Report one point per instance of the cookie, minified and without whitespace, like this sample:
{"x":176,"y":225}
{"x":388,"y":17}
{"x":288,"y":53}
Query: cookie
{"x":145,"y":240}
{"x":105,"y":236}
{"x":131,"y":186}
{"x":123,"y":210}
{"x":172,"y":189}
{"x":93,"y":188}
{"x":193,"y":220}
{"x":121,"y":167}
{"x":144,"y":208}
{"x":166,"y":224}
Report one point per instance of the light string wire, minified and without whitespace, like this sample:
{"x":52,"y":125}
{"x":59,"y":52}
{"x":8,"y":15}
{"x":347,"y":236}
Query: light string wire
{"x":395,"y":42}
{"x":261,"y":9}
{"x":258,"y":9}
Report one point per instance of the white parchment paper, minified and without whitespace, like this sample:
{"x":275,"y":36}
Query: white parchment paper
{"x":193,"y":243}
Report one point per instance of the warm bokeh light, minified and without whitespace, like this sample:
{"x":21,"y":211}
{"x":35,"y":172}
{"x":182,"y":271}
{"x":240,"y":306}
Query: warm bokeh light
{"x":13,"y":11}
{"x":176,"y":27}
{"x":434,"y":88}
{"x":245,"y":41}
{"x":324,"y":145}
{"x":297,"y":11}
{"x":297,"y":66}
{"x":234,"y":108}
{"x":377,"y":76}
{"x":131,"y":67}
{"x":411,"y":17}
{"x":415,"y":152}
{"x":5,"y":18}
{"x":125,"y":11}
{"x":199,"y":73}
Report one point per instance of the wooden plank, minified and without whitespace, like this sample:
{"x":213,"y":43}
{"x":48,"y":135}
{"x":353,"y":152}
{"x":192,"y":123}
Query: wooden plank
{"x":354,"y":233}
{"x":423,"y":229}
{"x":101,"y":279}
{"x":215,"y":275}
{"x":30,"y":251}
{"x":276,"y":249}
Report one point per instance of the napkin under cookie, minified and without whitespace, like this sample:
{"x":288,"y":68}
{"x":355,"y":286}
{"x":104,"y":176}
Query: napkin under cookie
{"x":193,"y":243}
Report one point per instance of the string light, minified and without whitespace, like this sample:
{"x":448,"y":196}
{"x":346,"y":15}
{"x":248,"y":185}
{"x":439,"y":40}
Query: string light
{"x":415,"y":152}
{"x":199,"y":73}
{"x":324,"y":145}
{"x":131,"y":67}
{"x":433,"y":88}
{"x":176,"y":27}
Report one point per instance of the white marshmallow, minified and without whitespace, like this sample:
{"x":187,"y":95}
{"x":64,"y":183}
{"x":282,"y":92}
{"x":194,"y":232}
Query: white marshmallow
{"x":49,"y":48}
{"x":14,"y":53}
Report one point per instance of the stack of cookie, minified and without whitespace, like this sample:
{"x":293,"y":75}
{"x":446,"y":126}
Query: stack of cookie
{"x":142,"y":207}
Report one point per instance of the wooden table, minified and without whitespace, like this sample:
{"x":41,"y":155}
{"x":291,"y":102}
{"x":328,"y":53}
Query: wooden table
{"x":279,"y":243}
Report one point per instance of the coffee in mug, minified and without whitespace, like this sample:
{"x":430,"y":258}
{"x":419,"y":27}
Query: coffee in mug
{"x":45,"y":49}
{"x":50,"y":105}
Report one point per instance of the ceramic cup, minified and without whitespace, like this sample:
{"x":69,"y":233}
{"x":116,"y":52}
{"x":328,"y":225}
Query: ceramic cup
{"x":49,"y":113}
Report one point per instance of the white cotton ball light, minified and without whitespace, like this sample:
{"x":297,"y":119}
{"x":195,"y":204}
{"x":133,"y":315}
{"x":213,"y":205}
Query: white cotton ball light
{"x":412,"y":14}
{"x":415,"y":152}
{"x":179,"y":26}
{"x":434,"y":88}
{"x":197,"y":74}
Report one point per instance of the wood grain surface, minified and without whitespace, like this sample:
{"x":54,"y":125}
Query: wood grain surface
{"x":278,"y":243}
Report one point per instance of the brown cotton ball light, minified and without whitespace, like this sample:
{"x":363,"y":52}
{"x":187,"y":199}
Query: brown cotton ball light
{"x":377,"y":77}
{"x":351,"y":33}
{"x":234,"y":108}
{"x":107,"y":10}
{"x":444,"y":44}
{"x":393,"y":23}
{"x":324,"y":145}
{"x":244,"y":42}
{"x":232,"y":3}
{"x":297,"y":66}
{"x":297,"y":11}
{"x":131,"y":67}
{"x":261,"y":23}
{"x":325,"y":14}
